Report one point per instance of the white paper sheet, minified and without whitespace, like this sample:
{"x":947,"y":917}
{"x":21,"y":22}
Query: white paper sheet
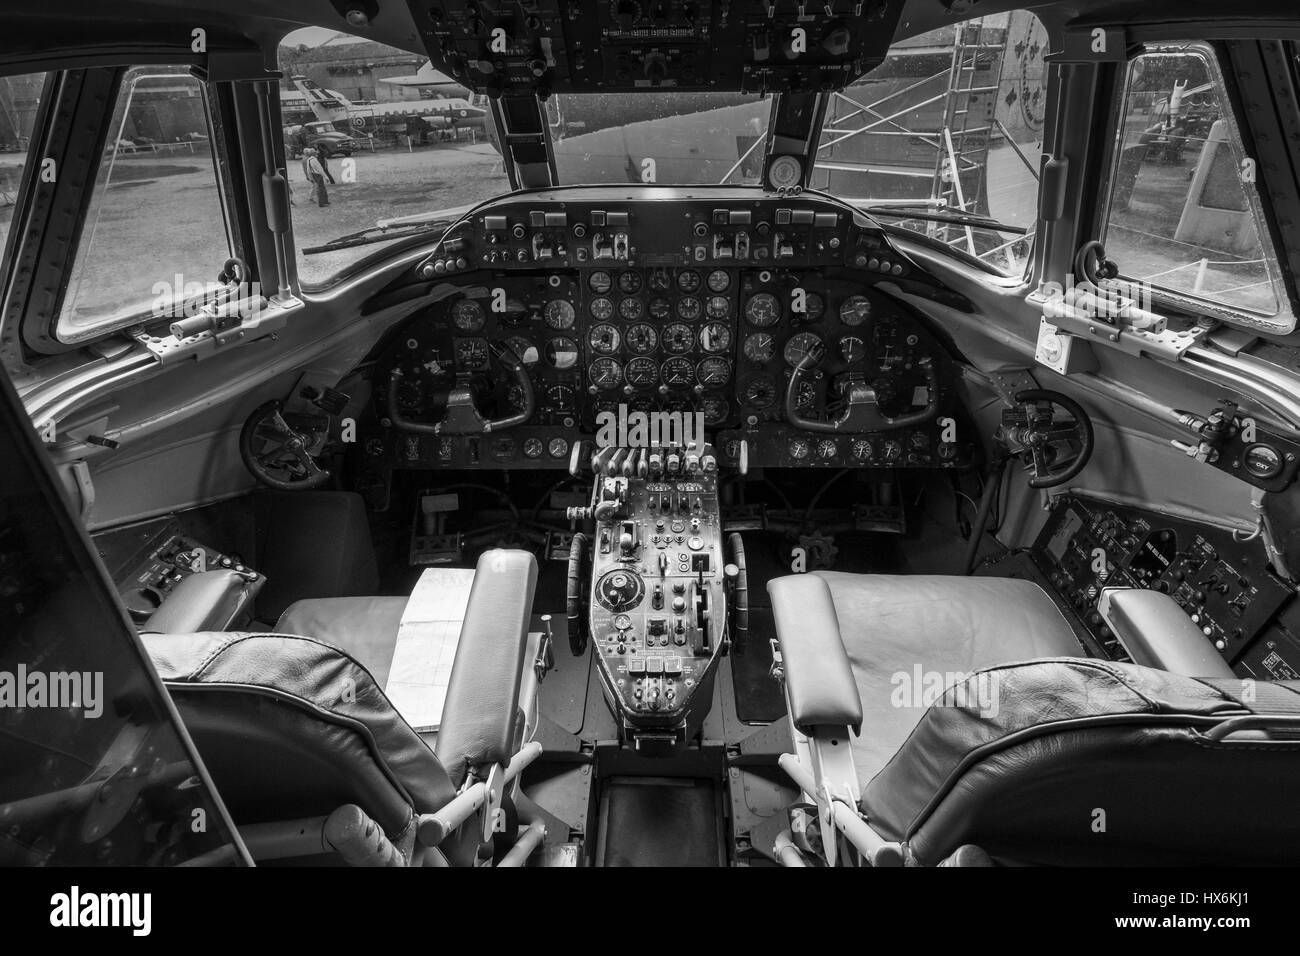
{"x":426,"y":645}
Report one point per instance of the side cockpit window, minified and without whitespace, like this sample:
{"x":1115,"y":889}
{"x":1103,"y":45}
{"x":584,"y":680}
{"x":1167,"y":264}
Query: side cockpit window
{"x":20,"y":103}
{"x":1184,"y":217}
{"x":154,"y":235}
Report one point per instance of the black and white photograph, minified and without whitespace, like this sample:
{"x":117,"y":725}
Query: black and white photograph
{"x":650,"y":434}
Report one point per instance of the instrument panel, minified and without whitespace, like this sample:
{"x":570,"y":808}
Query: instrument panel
{"x":686,"y":305}
{"x":1223,"y":584}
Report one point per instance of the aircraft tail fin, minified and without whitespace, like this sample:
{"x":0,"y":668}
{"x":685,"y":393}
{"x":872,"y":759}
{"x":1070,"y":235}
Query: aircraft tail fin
{"x":324,"y":104}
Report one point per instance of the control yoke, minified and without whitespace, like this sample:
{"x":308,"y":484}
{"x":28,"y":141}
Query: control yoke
{"x":463,"y":416}
{"x":862,"y":408}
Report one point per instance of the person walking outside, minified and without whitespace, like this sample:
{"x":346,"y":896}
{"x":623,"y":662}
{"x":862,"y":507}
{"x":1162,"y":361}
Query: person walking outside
{"x":315,"y":174}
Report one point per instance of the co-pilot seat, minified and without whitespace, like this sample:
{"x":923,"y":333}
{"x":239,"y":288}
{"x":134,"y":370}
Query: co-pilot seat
{"x":902,"y":631}
{"x":295,"y":724}
{"x":1034,"y":753}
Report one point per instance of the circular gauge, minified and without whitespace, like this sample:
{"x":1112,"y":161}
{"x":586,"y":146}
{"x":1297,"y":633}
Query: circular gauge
{"x":805,"y":395}
{"x":799,"y":346}
{"x":524,"y":349}
{"x":827,"y":449}
{"x":678,"y":373}
{"x":660,"y":308}
{"x":603,"y":339}
{"x":715,"y":337}
{"x":467,"y":315}
{"x":678,"y":338}
{"x":784,"y":172}
{"x":852,"y":348}
{"x":689,"y":308}
{"x":713,"y":372}
{"x":659,"y":280}
{"x":718,"y":307}
{"x":559,"y":314}
{"x":533,"y":448}
{"x":631,"y":309}
{"x":798,"y":448}
{"x":557,"y":447}
{"x":759,"y":347}
{"x":560,"y":398}
{"x":601,"y":309}
{"x":642,"y":372}
{"x":629,"y":282}
{"x":715,"y":408}
{"x":683,"y":404}
{"x":1262,"y":461}
{"x":688,"y":281}
{"x":561,"y":352}
{"x":503,"y":448}
{"x":762,"y":311}
{"x":814,"y":307}
{"x":855,"y":310}
{"x":600,"y":282}
{"x":605,"y":374}
{"x":471,"y":353}
{"x":760,"y":392}
{"x":641,"y":338}
{"x":862,"y":449}
{"x":410,"y":393}
{"x":718,"y":280}
{"x":892,"y":451}
{"x":515,"y":398}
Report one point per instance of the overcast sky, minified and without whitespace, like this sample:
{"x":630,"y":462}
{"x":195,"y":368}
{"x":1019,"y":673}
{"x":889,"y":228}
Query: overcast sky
{"x":315,"y":36}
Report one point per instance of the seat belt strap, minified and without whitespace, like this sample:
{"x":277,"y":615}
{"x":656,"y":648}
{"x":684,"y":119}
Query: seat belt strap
{"x":1258,"y":697}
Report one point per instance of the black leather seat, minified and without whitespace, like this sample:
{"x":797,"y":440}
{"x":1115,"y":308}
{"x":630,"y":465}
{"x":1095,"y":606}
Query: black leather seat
{"x":1090,"y":762}
{"x":292,"y":726}
{"x":896,"y":627}
{"x":981,"y":722}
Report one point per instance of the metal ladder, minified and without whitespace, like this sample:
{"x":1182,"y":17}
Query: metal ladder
{"x":968,"y":125}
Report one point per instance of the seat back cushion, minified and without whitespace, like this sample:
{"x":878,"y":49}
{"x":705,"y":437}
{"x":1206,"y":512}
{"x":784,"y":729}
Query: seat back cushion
{"x":293,"y":727}
{"x":1088,"y":762}
{"x":480,"y":719}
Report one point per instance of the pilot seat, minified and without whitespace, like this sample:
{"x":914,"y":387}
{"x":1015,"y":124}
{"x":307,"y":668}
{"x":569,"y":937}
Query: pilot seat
{"x":313,"y":760}
{"x":979,"y":732}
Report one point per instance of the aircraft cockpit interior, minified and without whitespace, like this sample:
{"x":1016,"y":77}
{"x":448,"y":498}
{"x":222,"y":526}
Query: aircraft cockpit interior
{"x":650,"y":433}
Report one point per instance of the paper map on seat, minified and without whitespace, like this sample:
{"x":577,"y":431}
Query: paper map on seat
{"x":426,"y":645}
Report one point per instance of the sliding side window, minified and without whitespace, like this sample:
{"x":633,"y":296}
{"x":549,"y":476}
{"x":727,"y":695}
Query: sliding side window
{"x":1184,"y":216}
{"x":20,"y":103}
{"x":155,"y":235}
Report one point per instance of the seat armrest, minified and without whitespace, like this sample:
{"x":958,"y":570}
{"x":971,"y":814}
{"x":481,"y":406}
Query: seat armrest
{"x":819,"y":681}
{"x":480,"y":715}
{"x":1156,"y":632}
{"x":206,"y":601}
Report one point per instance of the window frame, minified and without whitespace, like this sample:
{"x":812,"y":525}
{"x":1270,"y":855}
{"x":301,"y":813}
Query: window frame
{"x":1287,"y":318}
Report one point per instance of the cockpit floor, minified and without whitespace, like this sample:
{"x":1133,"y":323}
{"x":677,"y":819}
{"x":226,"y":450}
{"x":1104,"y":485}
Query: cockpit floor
{"x":660,"y":821}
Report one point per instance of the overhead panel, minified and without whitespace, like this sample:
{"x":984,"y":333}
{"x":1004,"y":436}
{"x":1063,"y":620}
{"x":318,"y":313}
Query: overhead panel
{"x":611,"y":46}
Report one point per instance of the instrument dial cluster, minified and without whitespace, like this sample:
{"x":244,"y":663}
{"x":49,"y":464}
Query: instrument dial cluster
{"x":662,"y":339}
{"x":466,"y":341}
